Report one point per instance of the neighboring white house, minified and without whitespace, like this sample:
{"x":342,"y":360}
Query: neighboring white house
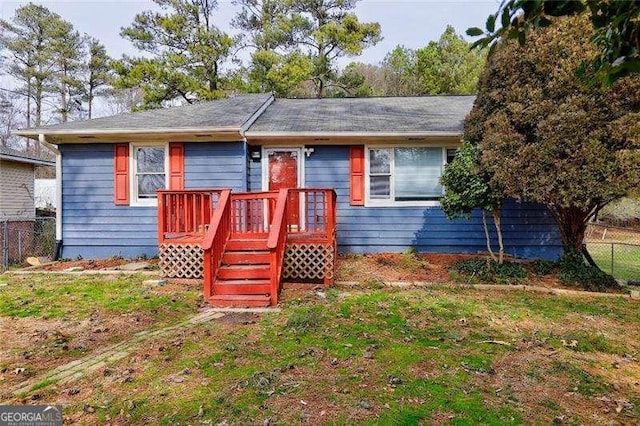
{"x":45,"y":194}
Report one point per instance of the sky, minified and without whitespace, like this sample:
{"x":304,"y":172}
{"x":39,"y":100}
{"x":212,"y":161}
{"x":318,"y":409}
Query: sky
{"x":412,"y":23}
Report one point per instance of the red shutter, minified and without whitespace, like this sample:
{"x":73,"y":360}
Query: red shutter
{"x":176,"y":166}
{"x":121,"y":174}
{"x":356,"y":181}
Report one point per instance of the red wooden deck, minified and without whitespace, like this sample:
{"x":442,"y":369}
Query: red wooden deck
{"x":184,"y":216}
{"x":244,"y":235}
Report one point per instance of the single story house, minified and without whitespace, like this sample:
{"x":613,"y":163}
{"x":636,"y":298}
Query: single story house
{"x":381,"y":158}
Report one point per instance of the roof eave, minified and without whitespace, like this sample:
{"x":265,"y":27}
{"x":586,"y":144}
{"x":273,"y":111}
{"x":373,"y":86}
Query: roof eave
{"x":202,"y":134}
{"x":19,"y":159}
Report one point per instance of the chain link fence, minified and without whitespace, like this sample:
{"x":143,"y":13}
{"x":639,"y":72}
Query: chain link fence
{"x":20,"y":239}
{"x":622,"y":260}
{"x":615,"y":250}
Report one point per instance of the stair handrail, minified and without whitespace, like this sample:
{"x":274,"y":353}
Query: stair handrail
{"x":276,"y":242}
{"x":215,"y":240}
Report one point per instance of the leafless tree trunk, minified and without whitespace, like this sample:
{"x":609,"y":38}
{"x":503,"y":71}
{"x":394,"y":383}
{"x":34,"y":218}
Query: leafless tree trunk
{"x":498,"y":224}
{"x":486,"y":234}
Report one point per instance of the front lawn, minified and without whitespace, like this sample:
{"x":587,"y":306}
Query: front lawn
{"x":378,"y":355}
{"x":47,"y":320}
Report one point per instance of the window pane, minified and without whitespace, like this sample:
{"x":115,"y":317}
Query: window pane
{"x":149,"y":184}
{"x":150,"y":159}
{"x":379,"y":161}
{"x":379,"y":187}
{"x":451,"y":154}
{"x":417,"y":173}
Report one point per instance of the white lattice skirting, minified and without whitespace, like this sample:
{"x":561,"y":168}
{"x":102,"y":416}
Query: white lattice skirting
{"x":181,"y":260}
{"x":301,"y":261}
{"x":308,"y":262}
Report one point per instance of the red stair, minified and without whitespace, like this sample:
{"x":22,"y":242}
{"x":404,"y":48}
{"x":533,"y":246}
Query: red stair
{"x":244,"y":276}
{"x":243,"y":255}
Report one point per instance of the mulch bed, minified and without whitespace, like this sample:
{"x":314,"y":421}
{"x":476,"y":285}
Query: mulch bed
{"x":366,"y":269}
{"x":93,"y":264}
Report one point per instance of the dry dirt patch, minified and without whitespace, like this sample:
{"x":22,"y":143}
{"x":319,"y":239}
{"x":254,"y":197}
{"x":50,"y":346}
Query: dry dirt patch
{"x":559,"y":385}
{"x":419,"y":267}
{"x":31,"y":345}
{"x":387,"y":267}
{"x":92,"y":264}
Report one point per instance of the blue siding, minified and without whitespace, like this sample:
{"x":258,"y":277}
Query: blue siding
{"x":93,"y":227}
{"x":528,"y":230}
{"x":215,"y":165}
{"x":254,"y":175}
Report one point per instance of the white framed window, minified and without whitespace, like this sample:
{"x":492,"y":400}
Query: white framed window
{"x":149,"y":172}
{"x":405,"y":175}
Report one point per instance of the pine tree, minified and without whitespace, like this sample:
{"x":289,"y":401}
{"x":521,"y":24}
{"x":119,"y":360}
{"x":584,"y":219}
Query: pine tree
{"x":188,"y":51}
{"x":27,"y":42}
{"x":299,"y":41}
{"x":68,"y":56}
{"x":97,"y":78}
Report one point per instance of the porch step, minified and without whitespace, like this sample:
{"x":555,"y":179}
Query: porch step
{"x":245,"y":258}
{"x":246,"y":245}
{"x":244,"y":287}
{"x":240,"y":301}
{"x":244,"y":277}
{"x":244,"y":272}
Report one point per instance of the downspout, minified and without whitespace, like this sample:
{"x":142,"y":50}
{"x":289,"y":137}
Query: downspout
{"x":58,"y":248}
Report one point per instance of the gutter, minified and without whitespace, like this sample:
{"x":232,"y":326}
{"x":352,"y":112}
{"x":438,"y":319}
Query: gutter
{"x":26,"y":160}
{"x":221,"y":132}
{"x":43,"y":140}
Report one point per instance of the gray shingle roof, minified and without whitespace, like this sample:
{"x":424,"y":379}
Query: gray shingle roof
{"x":392,"y":115}
{"x":437,"y":114}
{"x":230,"y":113}
{"x":9,"y":154}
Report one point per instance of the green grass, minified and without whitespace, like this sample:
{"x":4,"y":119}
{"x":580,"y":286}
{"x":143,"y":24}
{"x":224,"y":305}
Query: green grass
{"x":61,"y":296}
{"x":626,"y":259}
{"x":43,"y":384}
{"x":332,"y":361}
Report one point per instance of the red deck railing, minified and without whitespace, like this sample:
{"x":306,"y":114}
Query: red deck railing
{"x":251,"y":213}
{"x":277,"y":241}
{"x":312,"y":213}
{"x":185,"y":213}
{"x":215,"y":240}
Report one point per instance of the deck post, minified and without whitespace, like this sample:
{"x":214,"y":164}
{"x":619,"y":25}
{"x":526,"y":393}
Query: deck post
{"x":331,"y":214}
{"x":207,"y":281}
{"x":331,"y":234}
{"x":161,"y":219}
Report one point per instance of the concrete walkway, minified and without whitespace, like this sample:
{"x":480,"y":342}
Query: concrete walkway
{"x":80,"y":367}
